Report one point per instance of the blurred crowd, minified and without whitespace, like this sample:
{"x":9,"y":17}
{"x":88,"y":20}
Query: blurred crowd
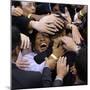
{"x":49,"y":44}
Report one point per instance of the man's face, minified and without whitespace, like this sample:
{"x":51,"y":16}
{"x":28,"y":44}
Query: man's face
{"x":42,"y":42}
{"x":29,"y":7}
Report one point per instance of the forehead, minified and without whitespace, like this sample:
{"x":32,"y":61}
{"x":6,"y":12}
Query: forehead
{"x":42,"y":34}
{"x":27,"y":3}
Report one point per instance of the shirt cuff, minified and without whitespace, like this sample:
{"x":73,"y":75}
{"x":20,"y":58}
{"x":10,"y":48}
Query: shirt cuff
{"x":58,"y":78}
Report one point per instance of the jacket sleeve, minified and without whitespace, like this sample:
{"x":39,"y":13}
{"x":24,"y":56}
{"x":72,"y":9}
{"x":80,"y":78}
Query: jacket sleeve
{"x":57,"y":83}
{"x":46,"y":77}
{"x":21,"y":22}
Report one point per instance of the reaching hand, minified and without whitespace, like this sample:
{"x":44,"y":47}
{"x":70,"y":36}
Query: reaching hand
{"x":69,"y":44}
{"x":47,"y":24}
{"x":25,"y":41}
{"x":57,"y":48}
{"x":76,"y":35}
{"x":67,"y":16}
{"x":17,"y":11}
{"x":62,"y":68}
{"x":22,"y":64}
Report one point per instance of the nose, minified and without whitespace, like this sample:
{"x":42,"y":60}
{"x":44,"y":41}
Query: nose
{"x":42,"y":39}
{"x":33,"y":8}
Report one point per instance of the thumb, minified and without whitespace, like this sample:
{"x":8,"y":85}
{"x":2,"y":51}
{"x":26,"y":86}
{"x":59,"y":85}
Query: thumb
{"x":67,"y":68}
{"x":66,"y":10}
{"x":64,"y":46}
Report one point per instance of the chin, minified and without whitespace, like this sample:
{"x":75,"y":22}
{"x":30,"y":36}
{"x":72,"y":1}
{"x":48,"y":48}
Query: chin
{"x":42,"y":50}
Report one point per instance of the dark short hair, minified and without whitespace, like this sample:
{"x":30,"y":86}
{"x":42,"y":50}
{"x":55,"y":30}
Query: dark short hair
{"x":15,"y":39}
{"x":81,"y":64}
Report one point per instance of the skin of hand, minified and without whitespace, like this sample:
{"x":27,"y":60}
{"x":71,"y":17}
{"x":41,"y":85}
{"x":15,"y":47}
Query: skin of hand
{"x":25,"y":41}
{"x":76,"y":34}
{"x":57,"y":51}
{"x":22,"y":63}
{"x":50,"y":62}
{"x":69,"y":43}
{"x":44,"y":27}
{"x":57,"y":48}
{"x":67,"y":15}
{"x":47,"y":24}
{"x":62,"y":68}
{"x":17,"y":11}
{"x":53,"y":18}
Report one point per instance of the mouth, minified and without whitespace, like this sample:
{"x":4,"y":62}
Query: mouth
{"x":43,"y":46}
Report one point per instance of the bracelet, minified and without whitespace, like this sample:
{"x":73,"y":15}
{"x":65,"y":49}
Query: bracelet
{"x":52,"y":55}
{"x":69,"y":26}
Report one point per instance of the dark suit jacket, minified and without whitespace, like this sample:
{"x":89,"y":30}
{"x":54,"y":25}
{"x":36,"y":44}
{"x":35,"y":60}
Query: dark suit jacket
{"x":47,"y":79}
{"x":25,"y":79}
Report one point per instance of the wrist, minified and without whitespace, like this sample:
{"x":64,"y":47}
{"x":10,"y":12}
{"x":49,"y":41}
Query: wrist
{"x":59,"y":77}
{"x":54,"y":57}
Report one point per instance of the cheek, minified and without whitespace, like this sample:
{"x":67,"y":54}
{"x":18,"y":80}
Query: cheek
{"x":48,"y":41}
{"x":27,"y":9}
{"x":37,"y":43}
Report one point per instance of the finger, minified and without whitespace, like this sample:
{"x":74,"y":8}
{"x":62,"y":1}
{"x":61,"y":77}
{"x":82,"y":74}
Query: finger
{"x":65,"y":60}
{"x":61,"y":60}
{"x":50,"y":25}
{"x":65,"y":47}
{"x":49,"y":32}
{"x":23,"y":63}
{"x":15,"y":14}
{"x":19,"y":10}
{"x":66,"y":10}
{"x":52,"y":30}
{"x":25,"y":44}
{"x":23,"y":66}
{"x":24,"y":59}
{"x":28,"y":44}
{"x":57,"y":25}
{"x":63,"y":40}
{"x":60,"y":20}
{"x":18,"y":13}
{"x":22,"y":43}
{"x":53,"y":27}
{"x":60,"y":23}
{"x":67,"y":68}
